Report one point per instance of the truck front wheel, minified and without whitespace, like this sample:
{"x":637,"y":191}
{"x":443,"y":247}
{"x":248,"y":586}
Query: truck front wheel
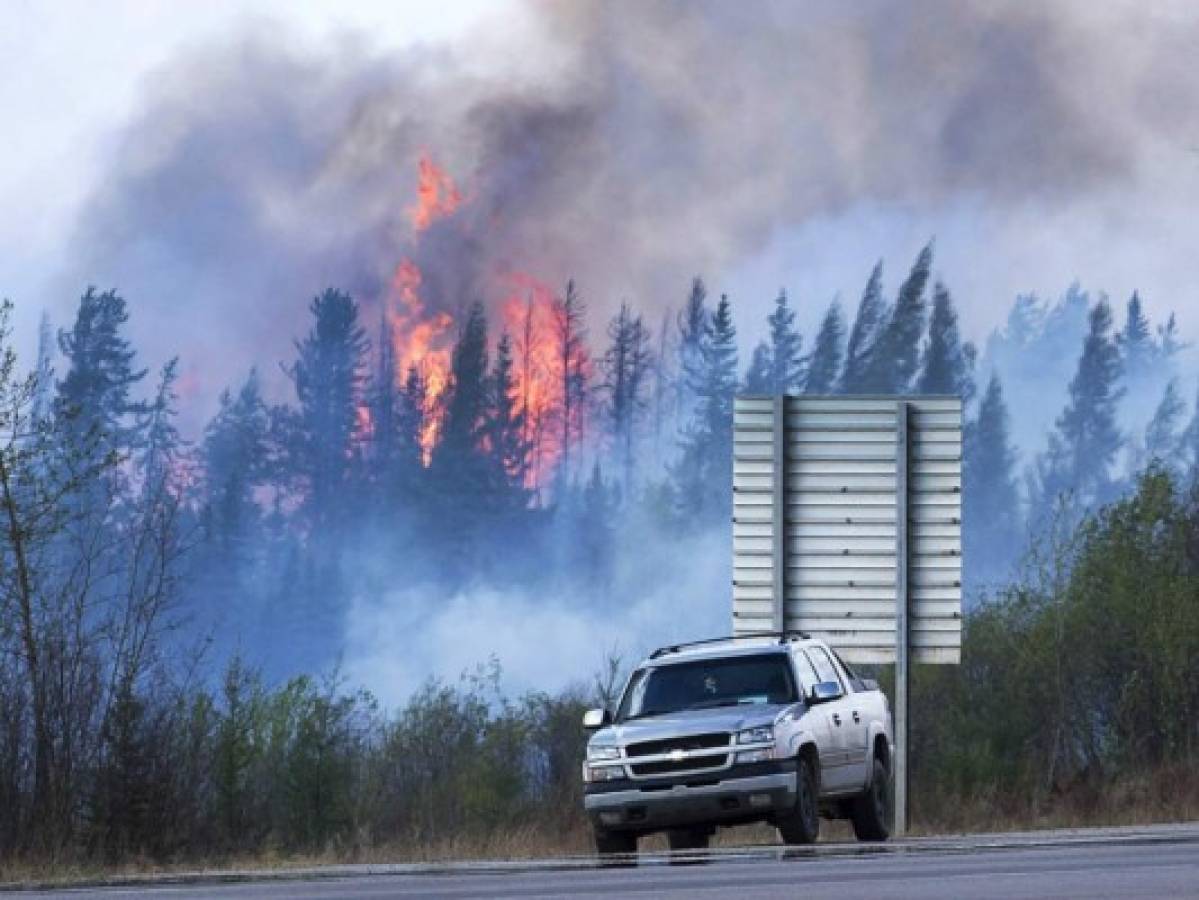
{"x":801,"y":825}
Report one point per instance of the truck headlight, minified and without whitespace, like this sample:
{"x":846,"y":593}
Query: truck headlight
{"x":763,"y":735}
{"x":598,"y":754}
{"x":602,"y":773}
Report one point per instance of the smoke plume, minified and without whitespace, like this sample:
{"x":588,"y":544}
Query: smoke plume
{"x":633,"y":145}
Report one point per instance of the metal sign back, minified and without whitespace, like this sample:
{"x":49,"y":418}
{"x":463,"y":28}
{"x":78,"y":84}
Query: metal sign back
{"x":845,"y":520}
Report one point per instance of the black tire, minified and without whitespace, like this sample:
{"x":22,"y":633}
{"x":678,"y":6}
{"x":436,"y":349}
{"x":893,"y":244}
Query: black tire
{"x":687,"y":839}
{"x":614,"y":843}
{"x":870,"y":812}
{"x":802,"y":824}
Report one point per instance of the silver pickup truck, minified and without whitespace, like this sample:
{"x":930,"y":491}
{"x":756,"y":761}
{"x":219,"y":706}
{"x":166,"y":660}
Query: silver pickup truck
{"x":772,"y":728}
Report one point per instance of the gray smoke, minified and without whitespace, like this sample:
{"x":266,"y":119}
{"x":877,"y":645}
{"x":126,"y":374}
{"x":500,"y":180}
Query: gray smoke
{"x":631,"y":145}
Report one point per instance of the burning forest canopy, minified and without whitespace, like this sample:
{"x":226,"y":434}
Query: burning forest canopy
{"x":533,"y":388}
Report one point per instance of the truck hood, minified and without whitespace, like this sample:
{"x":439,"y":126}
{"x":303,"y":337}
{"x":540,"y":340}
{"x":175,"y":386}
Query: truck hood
{"x":688,"y":722}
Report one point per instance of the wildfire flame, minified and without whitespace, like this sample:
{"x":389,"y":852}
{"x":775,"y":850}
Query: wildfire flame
{"x":436,"y":195}
{"x":422,"y":341}
{"x":528,"y":315}
{"x":423,"y":338}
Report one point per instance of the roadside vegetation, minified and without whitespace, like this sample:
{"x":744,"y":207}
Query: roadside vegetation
{"x":1076,"y":704}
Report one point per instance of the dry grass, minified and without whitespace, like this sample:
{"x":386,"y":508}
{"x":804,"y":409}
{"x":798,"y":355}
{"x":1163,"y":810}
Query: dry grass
{"x":1168,"y":795}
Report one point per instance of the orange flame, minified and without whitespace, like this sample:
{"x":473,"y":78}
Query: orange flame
{"x":422,"y":340}
{"x":528,"y":314}
{"x":436,"y":195}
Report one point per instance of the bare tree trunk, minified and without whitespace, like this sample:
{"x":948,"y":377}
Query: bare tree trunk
{"x":31,"y":649}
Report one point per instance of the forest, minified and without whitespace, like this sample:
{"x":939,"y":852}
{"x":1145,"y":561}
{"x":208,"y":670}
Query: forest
{"x":173,"y":608}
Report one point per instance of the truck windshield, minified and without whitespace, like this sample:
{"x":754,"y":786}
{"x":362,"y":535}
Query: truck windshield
{"x":706,"y":684}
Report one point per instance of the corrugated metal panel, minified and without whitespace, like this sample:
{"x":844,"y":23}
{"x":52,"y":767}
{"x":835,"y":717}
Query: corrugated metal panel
{"x":838,"y":524}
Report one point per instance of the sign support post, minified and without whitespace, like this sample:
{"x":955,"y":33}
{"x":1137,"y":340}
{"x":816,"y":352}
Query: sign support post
{"x":902,"y":642}
{"x":779,"y":514}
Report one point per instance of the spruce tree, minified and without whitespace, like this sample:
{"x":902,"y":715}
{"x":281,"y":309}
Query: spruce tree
{"x":507,"y":443}
{"x":1162,"y":438}
{"x":895,"y":358}
{"x":1135,"y":340}
{"x":161,"y":448}
{"x":991,"y":498}
{"x":573,"y":364}
{"x":1083,"y":448}
{"x":692,"y":323}
{"x":786,"y":344}
{"x":466,"y":397}
{"x":411,"y":423}
{"x":704,"y":471}
{"x":1189,"y":444}
{"x":383,"y":400}
{"x":43,"y":398}
{"x":867,"y":325}
{"x":947,"y":364}
{"x":236,"y":460}
{"x":626,"y":368}
{"x":758,"y":377}
{"x":824,"y":365}
{"x":329,"y":376}
{"x":94,"y":394}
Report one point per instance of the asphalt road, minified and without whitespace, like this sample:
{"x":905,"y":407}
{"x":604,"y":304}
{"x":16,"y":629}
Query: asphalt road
{"x":1151,"y":862}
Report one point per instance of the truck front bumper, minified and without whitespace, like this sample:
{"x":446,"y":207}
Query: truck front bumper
{"x":739,"y":794}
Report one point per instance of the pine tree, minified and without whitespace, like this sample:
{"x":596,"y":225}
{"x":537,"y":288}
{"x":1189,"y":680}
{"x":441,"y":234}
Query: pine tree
{"x":1084,"y":446}
{"x":991,"y":498}
{"x":1135,"y":340}
{"x":411,"y":424}
{"x":95,"y":392}
{"x":383,"y":401}
{"x":626,"y":367}
{"x":759,"y":375}
{"x":162,"y":447}
{"x":786,"y":344}
{"x":329,"y":379}
{"x":507,"y":443}
{"x":704,"y":471}
{"x":467,"y":401}
{"x":867,"y":326}
{"x":1162,"y":438}
{"x":43,"y":398}
{"x":895,"y":358}
{"x":573,"y":365}
{"x":1189,"y":444}
{"x":236,"y":461}
{"x":692,"y":323}
{"x":824,"y":365}
{"x":947,"y":366}
{"x":1168,"y":342}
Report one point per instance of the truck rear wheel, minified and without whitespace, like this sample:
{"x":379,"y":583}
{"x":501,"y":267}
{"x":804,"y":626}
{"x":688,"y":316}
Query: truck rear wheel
{"x":613,"y":843}
{"x":871,"y":811}
{"x":687,"y":839}
{"x":802,"y":824}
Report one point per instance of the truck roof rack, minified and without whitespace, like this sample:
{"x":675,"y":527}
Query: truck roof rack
{"x":783,"y":637}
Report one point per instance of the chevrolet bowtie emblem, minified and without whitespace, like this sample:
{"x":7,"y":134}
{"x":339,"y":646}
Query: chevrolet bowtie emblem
{"x":677,"y":755}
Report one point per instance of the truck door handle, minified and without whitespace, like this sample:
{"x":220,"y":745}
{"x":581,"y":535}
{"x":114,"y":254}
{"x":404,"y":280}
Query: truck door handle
{"x":836,"y":718}
{"x":856,"y":718}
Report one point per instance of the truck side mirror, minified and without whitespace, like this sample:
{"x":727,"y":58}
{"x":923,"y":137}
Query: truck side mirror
{"x":596,"y":718}
{"x":824,"y":692}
